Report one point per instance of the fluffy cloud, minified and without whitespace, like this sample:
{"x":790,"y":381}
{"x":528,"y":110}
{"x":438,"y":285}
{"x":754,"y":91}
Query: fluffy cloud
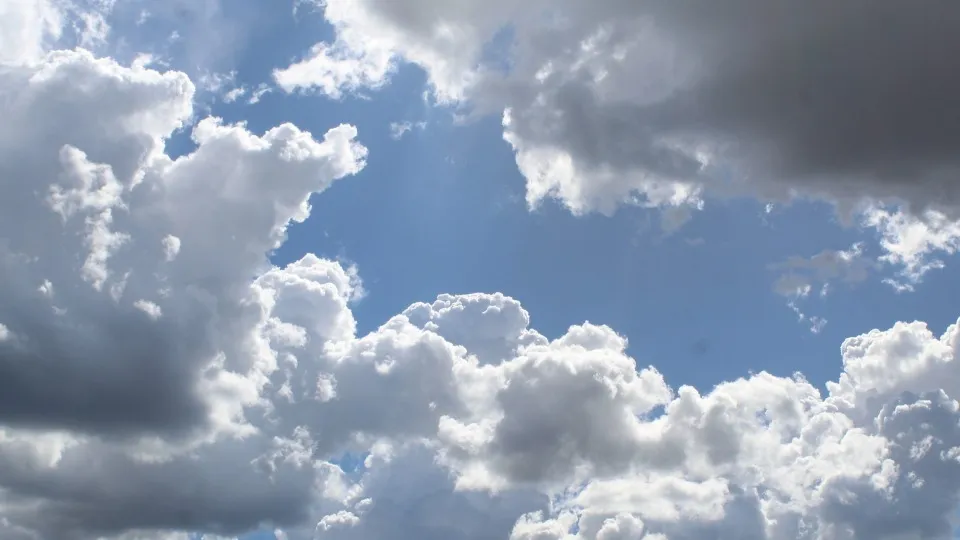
{"x":613,"y":451}
{"x":134,"y":339}
{"x":654,"y":102}
{"x":84,"y":165}
{"x":912,"y":244}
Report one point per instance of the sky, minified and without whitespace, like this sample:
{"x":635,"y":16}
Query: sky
{"x":368,"y":269}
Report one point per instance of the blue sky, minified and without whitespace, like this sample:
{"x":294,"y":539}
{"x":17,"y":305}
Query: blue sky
{"x":301,"y":405}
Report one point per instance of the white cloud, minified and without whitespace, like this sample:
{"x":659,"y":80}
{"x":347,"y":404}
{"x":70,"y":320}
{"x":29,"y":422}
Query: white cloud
{"x":95,"y":206}
{"x":234,"y":94}
{"x":399,"y":129}
{"x":150,"y":308}
{"x":912,"y":243}
{"x":253,"y":94}
{"x":491,"y":327}
{"x":762,"y":457}
{"x":333,"y":69}
{"x":27,"y":27}
{"x":261,"y":90}
{"x":30,"y":28}
{"x":217,"y":82}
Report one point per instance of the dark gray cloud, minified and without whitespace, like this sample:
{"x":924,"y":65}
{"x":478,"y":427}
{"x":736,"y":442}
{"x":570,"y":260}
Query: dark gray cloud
{"x":107,"y":493}
{"x":843,"y":101}
{"x":861,"y":90}
{"x":123,"y":376}
{"x":834,"y":100}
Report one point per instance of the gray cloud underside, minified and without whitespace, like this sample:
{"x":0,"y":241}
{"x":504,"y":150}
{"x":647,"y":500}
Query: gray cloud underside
{"x":834,"y":100}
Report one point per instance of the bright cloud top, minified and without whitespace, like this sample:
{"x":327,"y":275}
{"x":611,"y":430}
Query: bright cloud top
{"x":158,"y":376}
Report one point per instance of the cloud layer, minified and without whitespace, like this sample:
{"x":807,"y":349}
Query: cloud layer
{"x":151,"y":386}
{"x":159,"y":377}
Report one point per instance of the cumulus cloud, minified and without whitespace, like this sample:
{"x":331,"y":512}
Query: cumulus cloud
{"x":85,"y":165}
{"x":567,"y":430}
{"x":659,"y":103}
{"x":132,"y":331}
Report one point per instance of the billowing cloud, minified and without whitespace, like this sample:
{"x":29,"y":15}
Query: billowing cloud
{"x":657,"y":102}
{"x":84,"y":164}
{"x":133,"y":334}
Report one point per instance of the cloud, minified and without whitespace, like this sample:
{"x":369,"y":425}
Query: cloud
{"x":802,"y":276}
{"x":399,"y":129}
{"x":136,"y":347}
{"x":911,"y":243}
{"x":654,"y":103}
{"x":334,"y":69}
{"x":491,"y":327}
{"x":84,"y":164}
{"x":29,"y":28}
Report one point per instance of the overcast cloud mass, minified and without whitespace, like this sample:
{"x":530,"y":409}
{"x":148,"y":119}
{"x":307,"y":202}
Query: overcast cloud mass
{"x":160,"y":377}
